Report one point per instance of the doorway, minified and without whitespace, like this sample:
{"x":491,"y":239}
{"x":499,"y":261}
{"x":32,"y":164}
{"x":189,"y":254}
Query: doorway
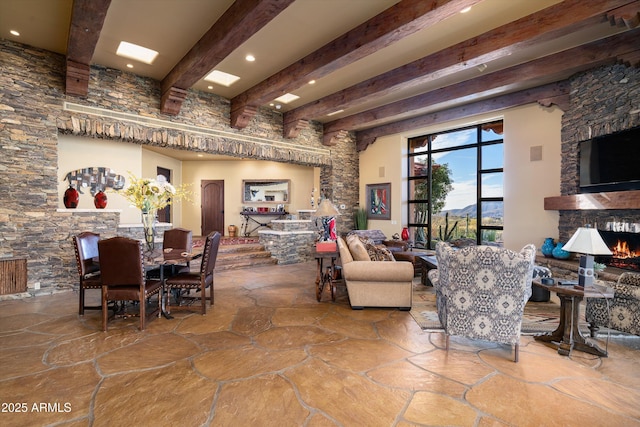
{"x":212,"y":206}
{"x":164,"y":214}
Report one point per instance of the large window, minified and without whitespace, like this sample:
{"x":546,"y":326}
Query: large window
{"x":456,"y":186}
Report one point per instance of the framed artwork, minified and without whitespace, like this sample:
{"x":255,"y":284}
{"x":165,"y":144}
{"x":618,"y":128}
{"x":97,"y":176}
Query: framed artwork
{"x":379,"y":201}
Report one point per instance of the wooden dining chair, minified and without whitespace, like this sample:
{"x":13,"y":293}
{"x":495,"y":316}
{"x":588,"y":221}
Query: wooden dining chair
{"x":174,"y":238}
{"x":197,"y":281}
{"x":123,"y":278}
{"x":85,"y":246}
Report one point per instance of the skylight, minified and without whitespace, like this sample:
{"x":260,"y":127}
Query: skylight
{"x":221,"y":78}
{"x":287,"y":98}
{"x":135,"y":52}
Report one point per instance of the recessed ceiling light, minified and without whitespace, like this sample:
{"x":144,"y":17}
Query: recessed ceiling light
{"x":200,"y":155}
{"x":312,"y":82}
{"x":250,"y":58}
{"x":15,"y":33}
{"x":129,"y":65}
{"x":466,"y":9}
{"x":221,"y":78}
{"x":335,"y":112}
{"x":287,"y":98}
{"x":209,"y":87}
{"x":138,"y":53}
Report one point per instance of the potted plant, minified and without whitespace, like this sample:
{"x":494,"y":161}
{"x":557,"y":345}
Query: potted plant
{"x":360,"y":219}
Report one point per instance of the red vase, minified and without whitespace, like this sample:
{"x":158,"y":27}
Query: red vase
{"x":71,"y":198}
{"x":100,"y":200}
{"x":405,"y":234}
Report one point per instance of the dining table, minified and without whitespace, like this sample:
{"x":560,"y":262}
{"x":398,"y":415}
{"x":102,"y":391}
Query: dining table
{"x":160,"y":258}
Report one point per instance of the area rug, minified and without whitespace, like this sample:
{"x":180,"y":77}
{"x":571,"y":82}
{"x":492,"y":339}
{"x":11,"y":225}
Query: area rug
{"x":538,"y":317}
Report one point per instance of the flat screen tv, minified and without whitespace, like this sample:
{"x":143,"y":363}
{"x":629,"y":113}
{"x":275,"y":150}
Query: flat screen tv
{"x":611,"y":162}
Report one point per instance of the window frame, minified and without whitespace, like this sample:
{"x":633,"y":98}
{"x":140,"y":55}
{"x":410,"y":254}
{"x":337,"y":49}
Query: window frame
{"x":478,"y":145}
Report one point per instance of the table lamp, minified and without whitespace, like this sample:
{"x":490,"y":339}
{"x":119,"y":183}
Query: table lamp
{"x":327,"y":212}
{"x":588,"y":242}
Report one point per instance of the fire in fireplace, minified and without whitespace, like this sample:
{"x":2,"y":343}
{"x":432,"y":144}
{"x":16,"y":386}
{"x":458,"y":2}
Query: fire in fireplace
{"x":625,"y":247}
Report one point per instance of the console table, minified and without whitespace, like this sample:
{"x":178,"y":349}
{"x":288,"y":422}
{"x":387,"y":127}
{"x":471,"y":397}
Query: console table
{"x":327,"y":274}
{"x":255,"y":219}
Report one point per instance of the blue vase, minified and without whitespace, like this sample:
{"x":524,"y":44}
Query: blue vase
{"x":547,"y":247}
{"x":560,"y":253}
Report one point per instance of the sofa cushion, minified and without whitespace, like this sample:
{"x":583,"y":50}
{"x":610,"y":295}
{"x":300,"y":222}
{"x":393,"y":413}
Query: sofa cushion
{"x":357,"y":248}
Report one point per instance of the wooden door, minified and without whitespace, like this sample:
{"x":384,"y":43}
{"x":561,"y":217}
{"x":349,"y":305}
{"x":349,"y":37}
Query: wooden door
{"x":212,"y":206}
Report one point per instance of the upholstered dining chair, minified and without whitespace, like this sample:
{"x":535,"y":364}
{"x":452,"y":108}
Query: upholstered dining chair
{"x":174,"y":238}
{"x":197,"y":281}
{"x":123,"y":278}
{"x":481,"y":291}
{"x":85,"y":246}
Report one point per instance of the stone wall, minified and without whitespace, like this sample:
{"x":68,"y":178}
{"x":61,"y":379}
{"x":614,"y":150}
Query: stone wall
{"x":125,"y":107}
{"x":603,"y":100}
{"x":290,"y":241}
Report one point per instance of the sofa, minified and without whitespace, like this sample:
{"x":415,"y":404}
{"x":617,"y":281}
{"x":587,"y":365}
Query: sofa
{"x":621,"y":313}
{"x":399,"y":248}
{"x":374,"y":283}
{"x":379,"y":238}
{"x":481,"y":291}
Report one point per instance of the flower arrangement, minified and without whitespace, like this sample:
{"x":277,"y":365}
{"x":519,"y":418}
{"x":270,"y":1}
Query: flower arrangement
{"x":150,"y":195}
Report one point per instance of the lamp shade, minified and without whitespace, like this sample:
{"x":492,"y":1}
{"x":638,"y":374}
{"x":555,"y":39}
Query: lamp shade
{"x":588,"y":241}
{"x":326,"y":208}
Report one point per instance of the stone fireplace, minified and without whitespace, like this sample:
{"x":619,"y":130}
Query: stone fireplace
{"x":603,"y":101}
{"x":623,"y":239}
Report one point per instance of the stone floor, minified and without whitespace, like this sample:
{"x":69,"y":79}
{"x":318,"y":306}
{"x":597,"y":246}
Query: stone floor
{"x":269,"y":354}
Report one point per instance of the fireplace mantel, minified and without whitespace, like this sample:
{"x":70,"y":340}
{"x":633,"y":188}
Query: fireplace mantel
{"x":597,"y":201}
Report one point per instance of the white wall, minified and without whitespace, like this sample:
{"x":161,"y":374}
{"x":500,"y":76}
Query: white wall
{"x":526,"y":182}
{"x":77,"y":153}
{"x":233,"y":172}
{"x":150,"y":163}
{"x":382,"y":162}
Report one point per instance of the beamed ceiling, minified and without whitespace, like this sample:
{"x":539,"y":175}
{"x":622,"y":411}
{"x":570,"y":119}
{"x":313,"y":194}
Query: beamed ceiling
{"x":380,"y":66}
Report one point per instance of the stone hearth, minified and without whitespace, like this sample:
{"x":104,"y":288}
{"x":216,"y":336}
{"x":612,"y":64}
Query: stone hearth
{"x":603,"y":101}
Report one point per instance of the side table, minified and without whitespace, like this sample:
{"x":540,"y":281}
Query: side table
{"x":327,"y":273}
{"x":426,"y":262}
{"x":567,"y":334}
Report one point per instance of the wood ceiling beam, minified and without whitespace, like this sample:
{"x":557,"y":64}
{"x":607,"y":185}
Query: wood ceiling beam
{"x":399,"y":21}
{"x":550,"y":23}
{"x":530,"y":74}
{"x":627,"y":16}
{"x":240,"y":21}
{"x":87,"y":19}
{"x":558,"y":90}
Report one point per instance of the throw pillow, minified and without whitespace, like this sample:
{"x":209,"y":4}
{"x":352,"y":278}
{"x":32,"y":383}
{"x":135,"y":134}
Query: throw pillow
{"x":357,"y":249}
{"x":382,"y":253}
{"x":376,"y":252}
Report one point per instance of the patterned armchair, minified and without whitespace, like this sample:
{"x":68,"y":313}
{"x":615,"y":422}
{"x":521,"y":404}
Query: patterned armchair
{"x":622,"y":313}
{"x":481,"y":291}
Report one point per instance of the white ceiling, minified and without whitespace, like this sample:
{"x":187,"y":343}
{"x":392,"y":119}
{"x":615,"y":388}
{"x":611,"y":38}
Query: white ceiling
{"x":172,"y":27}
